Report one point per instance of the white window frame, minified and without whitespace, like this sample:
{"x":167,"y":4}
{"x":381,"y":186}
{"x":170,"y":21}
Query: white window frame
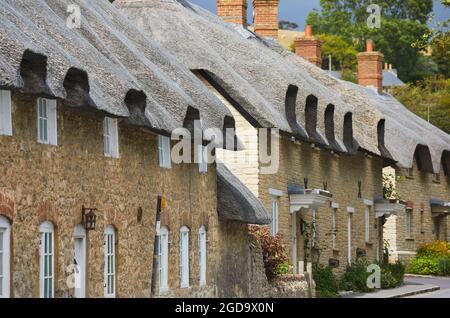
{"x":111,"y":137}
{"x":202,"y":159}
{"x":80,"y":256}
{"x":349,"y":237}
{"x":47,"y":260}
{"x":164,"y":259}
{"x":5,"y":246}
{"x":184,"y":257}
{"x":367,"y":209}
{"x":164,"y":152}
{"x":109,"y":277}
{"x":334,"y":228}
{"x":47,"y":123}
{"x":409,"y":223}
{"x":5,"y":113}
{"x":202,"y":255}
{"x":275,"y":214}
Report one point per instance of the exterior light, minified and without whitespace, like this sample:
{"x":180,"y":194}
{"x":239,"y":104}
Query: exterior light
{"x":89,"y":218}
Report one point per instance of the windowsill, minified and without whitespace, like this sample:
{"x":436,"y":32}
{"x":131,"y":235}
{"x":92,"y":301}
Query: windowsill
{"x":369,"y":243}
{"x":437,"y":181}
{"x":409,"y":177}
{"x":164,"y":291}
{"x":335,"y":250}
{"x":185,"y":287}
{"x":409,"y":239}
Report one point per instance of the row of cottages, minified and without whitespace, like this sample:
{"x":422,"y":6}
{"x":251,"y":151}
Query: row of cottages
{"x":335,"y":138}
{"x":86,"y":115}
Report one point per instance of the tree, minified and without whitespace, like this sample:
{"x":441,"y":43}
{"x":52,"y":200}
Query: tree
{"x":429,"y":98}
{"x":402,"y":23}
{"x":343,"y":54}
{"x":287,"y":25}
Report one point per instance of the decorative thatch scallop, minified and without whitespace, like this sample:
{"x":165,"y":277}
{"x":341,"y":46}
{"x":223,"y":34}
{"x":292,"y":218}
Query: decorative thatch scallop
{"x":103,"y":65}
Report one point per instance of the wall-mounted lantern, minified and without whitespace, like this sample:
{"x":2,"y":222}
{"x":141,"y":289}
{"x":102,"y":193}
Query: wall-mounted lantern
{"x":359,"y":189}
{"x":139,"y":215}
{"x":89,"y":218}
{"x":305,"y":182}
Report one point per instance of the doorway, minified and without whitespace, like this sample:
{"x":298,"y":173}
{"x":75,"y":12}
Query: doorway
{"x":79,"y":260}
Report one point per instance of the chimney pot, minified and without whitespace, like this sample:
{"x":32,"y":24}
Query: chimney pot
{"x":370,"y":46}
{"x":309,"y":31}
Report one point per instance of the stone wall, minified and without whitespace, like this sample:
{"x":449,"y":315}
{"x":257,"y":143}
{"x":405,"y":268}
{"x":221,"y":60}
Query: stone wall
{"x":417,"y":189}
{"x":42,"y":182}
{"x":341,"y":174}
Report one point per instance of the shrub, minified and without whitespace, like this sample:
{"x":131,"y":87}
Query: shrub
{"x":283,"y":268}
{"x":424,"y":265}
{"x":326,"y":283}
{"x":397,"y":270}
{"x":273,"y":249}
{"x":387,"y":279}
{"x":434,"y":249}
{"x":444,"y":266}
{"x":355,"y":277}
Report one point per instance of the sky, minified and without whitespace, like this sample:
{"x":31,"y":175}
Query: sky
{"x":297,"y":10}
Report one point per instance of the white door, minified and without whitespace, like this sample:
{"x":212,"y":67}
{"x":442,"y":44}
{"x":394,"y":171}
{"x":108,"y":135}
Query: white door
{"x":294,"y":242}
{"x":80,"y":262}
{"x":349,"y":238}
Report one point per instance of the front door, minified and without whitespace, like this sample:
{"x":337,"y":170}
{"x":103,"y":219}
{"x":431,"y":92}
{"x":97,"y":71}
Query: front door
{"x":80,"y":262}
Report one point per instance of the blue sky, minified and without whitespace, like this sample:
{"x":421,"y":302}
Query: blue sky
{"x":297,"y":10}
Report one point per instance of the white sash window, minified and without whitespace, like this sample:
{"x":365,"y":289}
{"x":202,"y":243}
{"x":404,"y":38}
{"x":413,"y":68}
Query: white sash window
{"x":47,"y":260}
{"x":184,"y":256}
{"x":110,"y":262}
{"x":4,"y":257}
{"x":202,"y":255}
{"x":111,"y":137}
{"x":5,"y":113}
{"x":47,"y":121}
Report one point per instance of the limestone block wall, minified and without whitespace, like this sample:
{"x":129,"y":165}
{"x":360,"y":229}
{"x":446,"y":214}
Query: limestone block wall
{"x":341,"y":175}
{"x":417,"y":189}
{"x":41,"y":182}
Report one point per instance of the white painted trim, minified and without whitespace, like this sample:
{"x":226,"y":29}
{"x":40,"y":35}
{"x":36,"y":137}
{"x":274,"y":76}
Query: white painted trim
{"x":334,"y":205}
{"x":5,"y":228}
{"x":5,"y":113}
{"x":46,"y":229}
{"x":202,"y":255}
{"x":351,"y":209}
{"x":164,"y":260}
{"x":184,"y":257}
{"x":80,"y":254}
{"x":110,"y":233}
{"x":368,"y":202}
{"x":275,"y":192}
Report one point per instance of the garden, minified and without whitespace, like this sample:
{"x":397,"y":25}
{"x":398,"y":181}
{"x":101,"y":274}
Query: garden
{"x":431,"y":259}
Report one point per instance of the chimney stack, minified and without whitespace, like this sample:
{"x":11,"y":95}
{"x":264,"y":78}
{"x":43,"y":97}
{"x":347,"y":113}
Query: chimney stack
{"x":265,"y":18}
{"x":370,"y":67}
{"x":233,"y":11}
{"x":309,"y":47}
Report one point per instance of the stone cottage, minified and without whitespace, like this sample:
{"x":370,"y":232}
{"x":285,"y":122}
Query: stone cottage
{"x":416,"y":168}
{"x":330,"y":162}
{"x":87,"y":107}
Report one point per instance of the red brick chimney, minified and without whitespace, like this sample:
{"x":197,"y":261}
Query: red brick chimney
{"x":233,"y":11}
{"x":265,"y":18}
{"x":370,"y":67}
{"x":309,"y":47}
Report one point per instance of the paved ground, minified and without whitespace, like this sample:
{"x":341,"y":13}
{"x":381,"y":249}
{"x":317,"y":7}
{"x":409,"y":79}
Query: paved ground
{"x":414,"y":287}
{"x":443,"y":283}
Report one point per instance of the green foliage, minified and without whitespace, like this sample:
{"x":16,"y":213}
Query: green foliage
{"x":440,"y":53}
{"x":355,"y":277}
{"x":402,"y":23}
{"x":283,"y":268}
{"x":326,"y":283}
{"x":287,"y":25}
{"x":424,"y":266}
{"x":343,"y":54}
{"x":392,"y":275}
{"x":389,"y":187}
{"x":434,"y":249}
{"x":430,"y":94}
{"x":273,"y":248}
{"x":444,"y":266}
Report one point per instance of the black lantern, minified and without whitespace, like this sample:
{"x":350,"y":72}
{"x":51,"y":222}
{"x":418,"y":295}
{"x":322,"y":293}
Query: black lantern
{"x":139,"y":215}
{"x":89,"y":218}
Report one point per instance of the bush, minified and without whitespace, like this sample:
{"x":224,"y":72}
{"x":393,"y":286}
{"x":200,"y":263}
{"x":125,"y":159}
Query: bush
{"x":283,"y":268}
{"x":434,"y":249}
{"x":444,"y":266}
{"x":397,"y":270}
{"x":424,"y":265}
{"x":326,"y":283}
{"x":355,"y":277}
{"x":387,"y":279}
{"x":273,"y":249}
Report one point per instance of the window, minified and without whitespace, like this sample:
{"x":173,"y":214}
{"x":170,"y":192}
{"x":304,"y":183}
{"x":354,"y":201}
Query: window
{"x":164,"y":152}
{"x":314,"y":227}
{"x":409,"y":223}
{"x":367,"y":223}
{"x":274,"y":216}
{"x":202,"y":255}
{"x":47,"y":260}
{"x":79,"y":256}
{"x":4,"y":257}
{"x":5,"y":113}
{"x":421,"y":221}
{"x":47,"y":122}
{"x":110,"y":262}
{"x":164,"y":259}
{"x":184,"y":257}
{"x":202,"y":159}
{"x":349,"y":238}
{"x":111,"y":137}
{"x":334,"y":229}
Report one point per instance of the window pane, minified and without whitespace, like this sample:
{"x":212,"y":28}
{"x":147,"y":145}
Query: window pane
{"x":1,"y":263}
{"x":1,"y":286}
{"x":1,"y":241}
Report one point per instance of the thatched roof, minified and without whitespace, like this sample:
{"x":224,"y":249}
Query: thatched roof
{"x":275,"y":88}
{"x":107,"y":65}
{"x":236,"y":202}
